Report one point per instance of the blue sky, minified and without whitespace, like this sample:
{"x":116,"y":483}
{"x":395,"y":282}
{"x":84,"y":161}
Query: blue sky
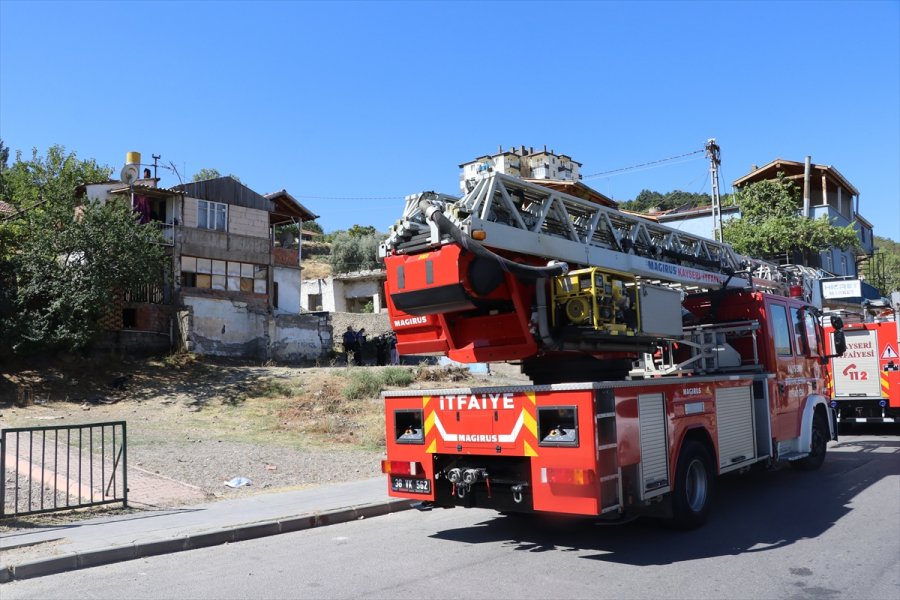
{"x":350,"y":106}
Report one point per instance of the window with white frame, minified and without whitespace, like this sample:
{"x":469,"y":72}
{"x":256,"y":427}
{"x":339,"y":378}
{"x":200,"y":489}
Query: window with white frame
{"x":223,"y":275}
{"x":844,"y":269}
{"x":211,"y":215}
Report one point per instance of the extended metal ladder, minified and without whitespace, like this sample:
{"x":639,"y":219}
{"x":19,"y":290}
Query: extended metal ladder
{"x":527,"y":218}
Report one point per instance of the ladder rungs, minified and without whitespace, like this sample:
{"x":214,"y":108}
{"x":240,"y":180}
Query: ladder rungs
{"x":607,"y":446}
{"x":606,"y":478}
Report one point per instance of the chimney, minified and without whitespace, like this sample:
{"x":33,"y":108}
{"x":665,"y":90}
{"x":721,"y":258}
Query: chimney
{"x":499,"y":148}
{"x":531,"y":150}
{"x":754,"y":168}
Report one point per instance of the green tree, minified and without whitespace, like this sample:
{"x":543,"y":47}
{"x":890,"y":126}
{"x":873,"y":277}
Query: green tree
{"x":354,"y":252}
{"x":771,"y":226}
{"x":360,"y":231}
{"x":644,"y":201}
{"x":313,"y":226}
{"x":42,"y":180}
{"x":883,"y":270}
{"x":4,"y":156}
{"x":204,"y":174}
{"x":62,"y":261}
{"x":647,"y":200}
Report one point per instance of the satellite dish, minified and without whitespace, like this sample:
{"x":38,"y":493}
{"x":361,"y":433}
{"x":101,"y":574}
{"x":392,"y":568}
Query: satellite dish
{"x":129,"y":174}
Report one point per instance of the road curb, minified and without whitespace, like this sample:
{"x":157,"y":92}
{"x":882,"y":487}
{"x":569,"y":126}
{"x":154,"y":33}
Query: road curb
{"x":95,"y":558}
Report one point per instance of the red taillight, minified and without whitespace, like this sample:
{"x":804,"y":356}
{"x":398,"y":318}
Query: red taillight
{"x":796,"y":291}
{"x":402,"y":467}
{"x":567,"y":476}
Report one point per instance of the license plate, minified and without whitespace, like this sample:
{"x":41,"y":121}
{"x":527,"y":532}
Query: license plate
{"x":414,"y":486}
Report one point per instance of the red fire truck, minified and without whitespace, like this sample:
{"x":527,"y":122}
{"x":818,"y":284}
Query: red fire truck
{"x":866,"y":379}
{"x":661,"y":361}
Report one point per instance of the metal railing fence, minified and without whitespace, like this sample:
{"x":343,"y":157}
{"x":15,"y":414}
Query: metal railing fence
{"x":62,"y":467}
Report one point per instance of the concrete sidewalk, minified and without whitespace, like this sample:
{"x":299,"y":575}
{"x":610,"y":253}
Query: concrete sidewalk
{"x":54,"y":549}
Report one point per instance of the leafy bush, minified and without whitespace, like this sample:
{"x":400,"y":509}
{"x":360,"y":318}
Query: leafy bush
{"x":397,"y":376}
{"x":362,"y":384}
{"x":369,"y":383}
{"x":352,"y":253}
{"x":272,"y":388}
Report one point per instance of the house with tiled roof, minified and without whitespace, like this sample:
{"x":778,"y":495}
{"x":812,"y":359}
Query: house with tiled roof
{"x":826,"y":192}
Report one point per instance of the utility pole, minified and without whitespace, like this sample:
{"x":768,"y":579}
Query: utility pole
{"x":712,"y":152}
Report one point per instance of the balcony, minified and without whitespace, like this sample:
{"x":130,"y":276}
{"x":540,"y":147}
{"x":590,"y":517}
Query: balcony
{"x":149,"y":294}
{"x":167,"y":230}
{"x":834,"y":216}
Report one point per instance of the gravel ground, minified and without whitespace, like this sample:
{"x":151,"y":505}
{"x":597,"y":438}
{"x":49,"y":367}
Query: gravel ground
{"x":208,"y":465}
{"x":186,"y":436}
{"x":33,"y":498}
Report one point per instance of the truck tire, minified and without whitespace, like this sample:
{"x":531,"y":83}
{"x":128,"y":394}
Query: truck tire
{"x":693,"y":491}
{"x":819,"y":443}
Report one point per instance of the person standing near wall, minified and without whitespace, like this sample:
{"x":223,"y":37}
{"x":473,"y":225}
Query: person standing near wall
{"x":392,"y":348}
{"x":351,"y":347}
{"x":360,"y":345}
{"x":381,"y":351}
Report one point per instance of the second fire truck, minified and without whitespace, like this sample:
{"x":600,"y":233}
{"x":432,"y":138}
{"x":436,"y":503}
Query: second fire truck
{"x":659,"y":360}
{"x":866,"y":379}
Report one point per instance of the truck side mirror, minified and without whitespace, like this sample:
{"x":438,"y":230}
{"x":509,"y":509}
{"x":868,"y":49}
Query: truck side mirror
{"x":840,"y":343}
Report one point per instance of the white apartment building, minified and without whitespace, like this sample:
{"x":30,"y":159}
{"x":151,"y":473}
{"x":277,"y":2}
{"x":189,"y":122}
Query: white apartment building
{"x":520,"y":162}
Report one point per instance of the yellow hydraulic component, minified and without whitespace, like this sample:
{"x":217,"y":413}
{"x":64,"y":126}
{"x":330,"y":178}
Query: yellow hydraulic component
{"x":601,"y":299}
{"x":578,"y":310}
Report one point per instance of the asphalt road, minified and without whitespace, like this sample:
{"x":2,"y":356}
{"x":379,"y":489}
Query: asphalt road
{"x":834,"y":533}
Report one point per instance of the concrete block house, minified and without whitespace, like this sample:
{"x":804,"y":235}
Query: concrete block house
{"x":234,"y":290}
{"x":827,"y":192}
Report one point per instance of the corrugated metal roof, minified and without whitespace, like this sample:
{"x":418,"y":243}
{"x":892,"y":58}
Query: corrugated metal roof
{"x":146,"y":190}
{"x":6,"y":209}
{"x":226,"y":190}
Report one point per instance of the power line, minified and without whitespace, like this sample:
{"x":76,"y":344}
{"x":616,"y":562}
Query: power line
{"x":646,"y":164}
{"x":356,"y":197}
{"x":348,"y":197}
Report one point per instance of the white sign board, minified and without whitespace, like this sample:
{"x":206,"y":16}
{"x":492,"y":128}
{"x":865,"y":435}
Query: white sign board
{"x":846,"y":288}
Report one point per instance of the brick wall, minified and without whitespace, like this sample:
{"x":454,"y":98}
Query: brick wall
{"x":112,"y":316}
{"x":286,"y":257}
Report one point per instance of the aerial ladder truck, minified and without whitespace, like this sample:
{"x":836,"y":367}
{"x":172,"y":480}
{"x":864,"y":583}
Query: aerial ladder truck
{"x":658,"y":359}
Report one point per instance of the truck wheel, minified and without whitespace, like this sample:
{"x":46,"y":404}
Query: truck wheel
{"x":817,"y":449}
{"x":693,"y":486}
